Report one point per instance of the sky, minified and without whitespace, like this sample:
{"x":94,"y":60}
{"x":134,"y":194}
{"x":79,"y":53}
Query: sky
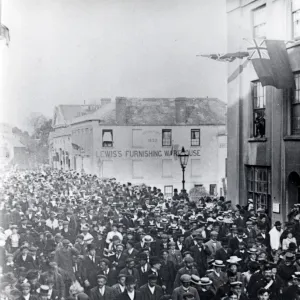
{"x":71,"y":51}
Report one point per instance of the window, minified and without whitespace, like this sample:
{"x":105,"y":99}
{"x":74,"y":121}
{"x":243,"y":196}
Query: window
{"x":195,"y":167}
{"x":168,"y":191}
{"x":167,"y":137}
{"x":137,"y":138}
{"x":137,"y":169}
{"x":296,"y":19}
{"x":167,"y":167}
{"x":259,"y":186}
{"x":259,"y":107}
{"x":212,"y":189}
{"x":107,"y":138}
{"x":107,"y":169}
{"x":195,"y":137}
{"x":259,"y":22}
{"x":295,"y":107}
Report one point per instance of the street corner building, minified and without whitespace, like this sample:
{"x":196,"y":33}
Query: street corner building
{"x":137,"y":140}
{"x":264,"y":120}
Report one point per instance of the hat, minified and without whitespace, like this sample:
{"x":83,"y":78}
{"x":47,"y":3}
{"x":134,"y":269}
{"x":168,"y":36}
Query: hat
{"x":252,"y":251}
{"x":296,"y":275}
{"x":233,"y":260}
{"x":277,"y":223}
{"x":115,"y":238}
{"x":154,"y":260}
{"x":32,"y":275}
{"x":185,"y":278}
{"x":235,"y":283}
{"x":65,"y":222}
{"x":24,"y":247}
{"x":105,"y":260}
{"x":143,"y":256}
{"x":195,"y":279}
{"x":44,"y":289}
{"x":220,"y":219}
{"x":90,"y":247}
{"x":205,"y":281}
{"x":25,"y":285}
{"x":147,"y":239}
{"x":129,"y":279}
{"x":101,"y":276}
{"x":152,"y":276}
{"x":188,"y":259}
{"x":218,"y":263}
{"x":66,"y":242}
{"x":289,"y":256}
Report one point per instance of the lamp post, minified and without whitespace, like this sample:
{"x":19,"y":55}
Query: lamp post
{"x":82,"y":156}
{"x":183,"y":158}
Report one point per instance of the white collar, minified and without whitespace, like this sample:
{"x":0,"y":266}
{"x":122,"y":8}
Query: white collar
{"x":152,"y":289}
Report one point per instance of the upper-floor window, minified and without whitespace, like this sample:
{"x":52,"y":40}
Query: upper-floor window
{"x":107,"y":138}
{"x":259,"y":107}
{"x":295,"y":107}
{"x":296,"y":18}
{"x":167,"y":137}
{"x":259,"y":22}
{"x":195,"y":137}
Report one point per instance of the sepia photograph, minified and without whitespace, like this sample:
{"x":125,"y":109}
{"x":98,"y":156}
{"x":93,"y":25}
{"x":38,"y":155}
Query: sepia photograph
{"x":149,"y":149}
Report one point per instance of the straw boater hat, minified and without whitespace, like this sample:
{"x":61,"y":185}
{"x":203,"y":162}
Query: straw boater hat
{"x":218,"y":263}
{"x":233,"y":260}
{"x":205,"y":281}
{"x":147,"y":239}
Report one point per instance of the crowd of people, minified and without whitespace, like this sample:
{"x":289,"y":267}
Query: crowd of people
{"x":71,"y":236}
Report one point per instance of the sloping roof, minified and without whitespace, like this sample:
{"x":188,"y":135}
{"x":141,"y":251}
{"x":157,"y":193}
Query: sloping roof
{"x":69,"y":112}
{"x":162,"y":111}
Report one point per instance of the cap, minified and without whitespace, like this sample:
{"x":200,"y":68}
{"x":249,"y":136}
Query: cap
{"x":185,"y":278}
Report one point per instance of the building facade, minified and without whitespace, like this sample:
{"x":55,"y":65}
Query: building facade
{"x":137,"y":140}
{"x":12,"y":151}
{"x":263,"y":122}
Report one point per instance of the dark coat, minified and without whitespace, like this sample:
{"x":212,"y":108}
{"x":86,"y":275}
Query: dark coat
{"x":124,"y":296}
{"x":222,"y":255}
{"x":90,"y":270}
{"x":109,"y":294}
{"x":112,"y":276}
{"x":143,"y":275}
{"x":178,"y":293}
{"x":28,"y":263}
{"x":201,"y":257}
{"x":146,"y":294}
{"x":167,"y":272}
{"x":120,"y":262}
{"x":135,"y":273}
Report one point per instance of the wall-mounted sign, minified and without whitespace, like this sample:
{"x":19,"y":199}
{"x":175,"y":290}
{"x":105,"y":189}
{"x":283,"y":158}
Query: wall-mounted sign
{"x":276,"y":208}
{"x":143,"y":153}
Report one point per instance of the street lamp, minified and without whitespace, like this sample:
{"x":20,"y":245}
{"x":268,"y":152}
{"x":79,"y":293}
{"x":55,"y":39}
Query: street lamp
{"x":183,"y":158}
{"x":82,"y":155}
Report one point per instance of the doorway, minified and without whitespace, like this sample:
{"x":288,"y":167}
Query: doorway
{"x":293,"y":187}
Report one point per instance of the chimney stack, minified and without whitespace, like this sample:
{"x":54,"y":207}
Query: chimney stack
{"x":121,"y":110}
{"x":180,"y":108}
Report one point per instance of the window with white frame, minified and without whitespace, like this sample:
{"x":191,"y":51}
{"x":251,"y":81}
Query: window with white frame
{"x":107,"y":138}
{"x":168,"y":191}
{"x":195,"y":137}
{"x":167,"y":137}
{"x":259,"y":22}
{"x":296,"y":19}
{"x":295,"y":107}
{"x":167,"y":167}
{"x":259,"y":107}
{"x":195,"y":167}
{"x":137,"y":169}
{"x":137,"y":138}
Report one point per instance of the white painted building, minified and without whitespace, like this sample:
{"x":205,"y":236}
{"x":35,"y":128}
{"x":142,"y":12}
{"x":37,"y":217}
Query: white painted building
{"x":136,"y":140}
